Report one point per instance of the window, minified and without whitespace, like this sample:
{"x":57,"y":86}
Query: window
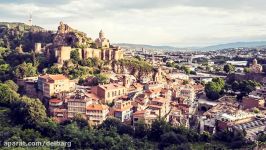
{"x":108,"y":94}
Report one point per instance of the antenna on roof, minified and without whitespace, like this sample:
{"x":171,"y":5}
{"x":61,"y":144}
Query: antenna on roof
{"x":30,"y":19}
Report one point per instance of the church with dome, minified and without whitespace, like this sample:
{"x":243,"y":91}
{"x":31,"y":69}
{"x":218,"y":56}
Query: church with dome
{"x":103,"y":49}
{"x":255,"y":67}
{"x":66,"y":39}
{"x":101,"y":41}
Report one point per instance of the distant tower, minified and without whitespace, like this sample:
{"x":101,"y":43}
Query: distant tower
{"x":30,"y":19}
{"x":101,"y":34}
{"x":255,"y":62}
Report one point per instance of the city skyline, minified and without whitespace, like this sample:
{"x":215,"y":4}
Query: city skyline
{"x":182,"y":23}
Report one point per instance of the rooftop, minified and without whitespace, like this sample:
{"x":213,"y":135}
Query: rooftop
{"x":54,"y":77}
{"x":110,"y":86}
{"x":97,"y":107}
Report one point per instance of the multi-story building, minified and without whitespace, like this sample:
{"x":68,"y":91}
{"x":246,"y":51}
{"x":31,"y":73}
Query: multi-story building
{"x":123,"y":110}
{"x":161,"y":106}
{"x":255,"y":67}
{"x":52,"y":84}
{"x":108,"y":92}
{"x":186,"y":93}
{"x":252,"y":101}
{"x":77,"y":105}
{"x":54,"y":104}
{"x":97,"y":113}
{"x":147,"y":116}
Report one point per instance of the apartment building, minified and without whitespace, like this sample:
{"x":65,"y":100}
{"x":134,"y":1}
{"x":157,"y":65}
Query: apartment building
{"x":108,"y":92}
{"x":161,"y":106}
{"x":77,"y":104}
{"x":53,"y":84}
{"x":123,"y":110}
{"x":97,"y":113}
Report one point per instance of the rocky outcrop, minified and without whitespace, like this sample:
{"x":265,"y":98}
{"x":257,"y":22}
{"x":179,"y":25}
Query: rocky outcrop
{"x":136,"y":70}
{"x":67,"y":36}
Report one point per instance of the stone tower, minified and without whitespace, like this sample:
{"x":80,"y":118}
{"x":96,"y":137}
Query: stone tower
{"x":101,"y":34}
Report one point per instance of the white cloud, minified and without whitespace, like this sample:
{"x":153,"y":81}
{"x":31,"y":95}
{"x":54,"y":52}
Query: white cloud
{"x":179,"y":23}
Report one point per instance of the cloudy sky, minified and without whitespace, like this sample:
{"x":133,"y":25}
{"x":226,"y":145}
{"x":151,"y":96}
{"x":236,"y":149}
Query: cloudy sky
{"x":157,"y":22}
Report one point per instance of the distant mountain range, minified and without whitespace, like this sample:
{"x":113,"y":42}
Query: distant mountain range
{"x":254,"y":44}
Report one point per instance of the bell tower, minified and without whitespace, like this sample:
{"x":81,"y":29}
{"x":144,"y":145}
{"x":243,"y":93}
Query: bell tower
{"x":101,"y":34}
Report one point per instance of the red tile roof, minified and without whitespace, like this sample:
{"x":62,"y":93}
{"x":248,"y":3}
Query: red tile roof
{"x":54,"y":77}
{"x":110,"y":86}
{"x":97,"y":107}
{"x":55,"y":100}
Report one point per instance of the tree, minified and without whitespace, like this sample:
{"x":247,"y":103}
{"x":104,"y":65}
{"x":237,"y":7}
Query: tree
{"x":54,"y":70}
{"x":81,"y":122}
{"x":29,"y":111}
{"x":235,"y":138}
{"x":102,"y":78}
{"x":110,"y":123}
{"x":75,"y":56}
{"x":25,"y":70}
{"x":170,"y":64}
{"x":228,"y":68}
{"x":170,"y":138}
{"x":7,"y":95}
{"x":185,"y":82}
{"x":245,"y":86}
{"x":186,"y":69}
{"x":261,"y":137}
{"x":88,"y":62}
{"x":193,"y":72}
{"x":12,"y":85}
{"x":141,"y":129}
{"x":205,"y":137}
{"x":214,"y":88}
{"x":4,"y":69}
{"x":247,"y":70}
{"x":158,"y":128}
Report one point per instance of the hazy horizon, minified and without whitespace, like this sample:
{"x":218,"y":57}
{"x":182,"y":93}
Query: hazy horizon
{"x":181,"y":23}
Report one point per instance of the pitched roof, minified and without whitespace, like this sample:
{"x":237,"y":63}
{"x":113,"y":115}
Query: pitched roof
{"x":54,"y":77}
{"x":110,"y":86}
{"x":54,"y":100}
{"x":97,"y":107}
{"x":159,"y":100}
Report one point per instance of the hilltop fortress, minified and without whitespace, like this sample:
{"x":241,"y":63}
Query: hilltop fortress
{"x":66,"y":39}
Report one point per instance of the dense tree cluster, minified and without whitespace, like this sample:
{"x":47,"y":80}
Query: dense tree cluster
{"x":234,"y":139}
{"x":214,"y":89}
{"x":228,"y":68}
{"x":245,"y":86}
